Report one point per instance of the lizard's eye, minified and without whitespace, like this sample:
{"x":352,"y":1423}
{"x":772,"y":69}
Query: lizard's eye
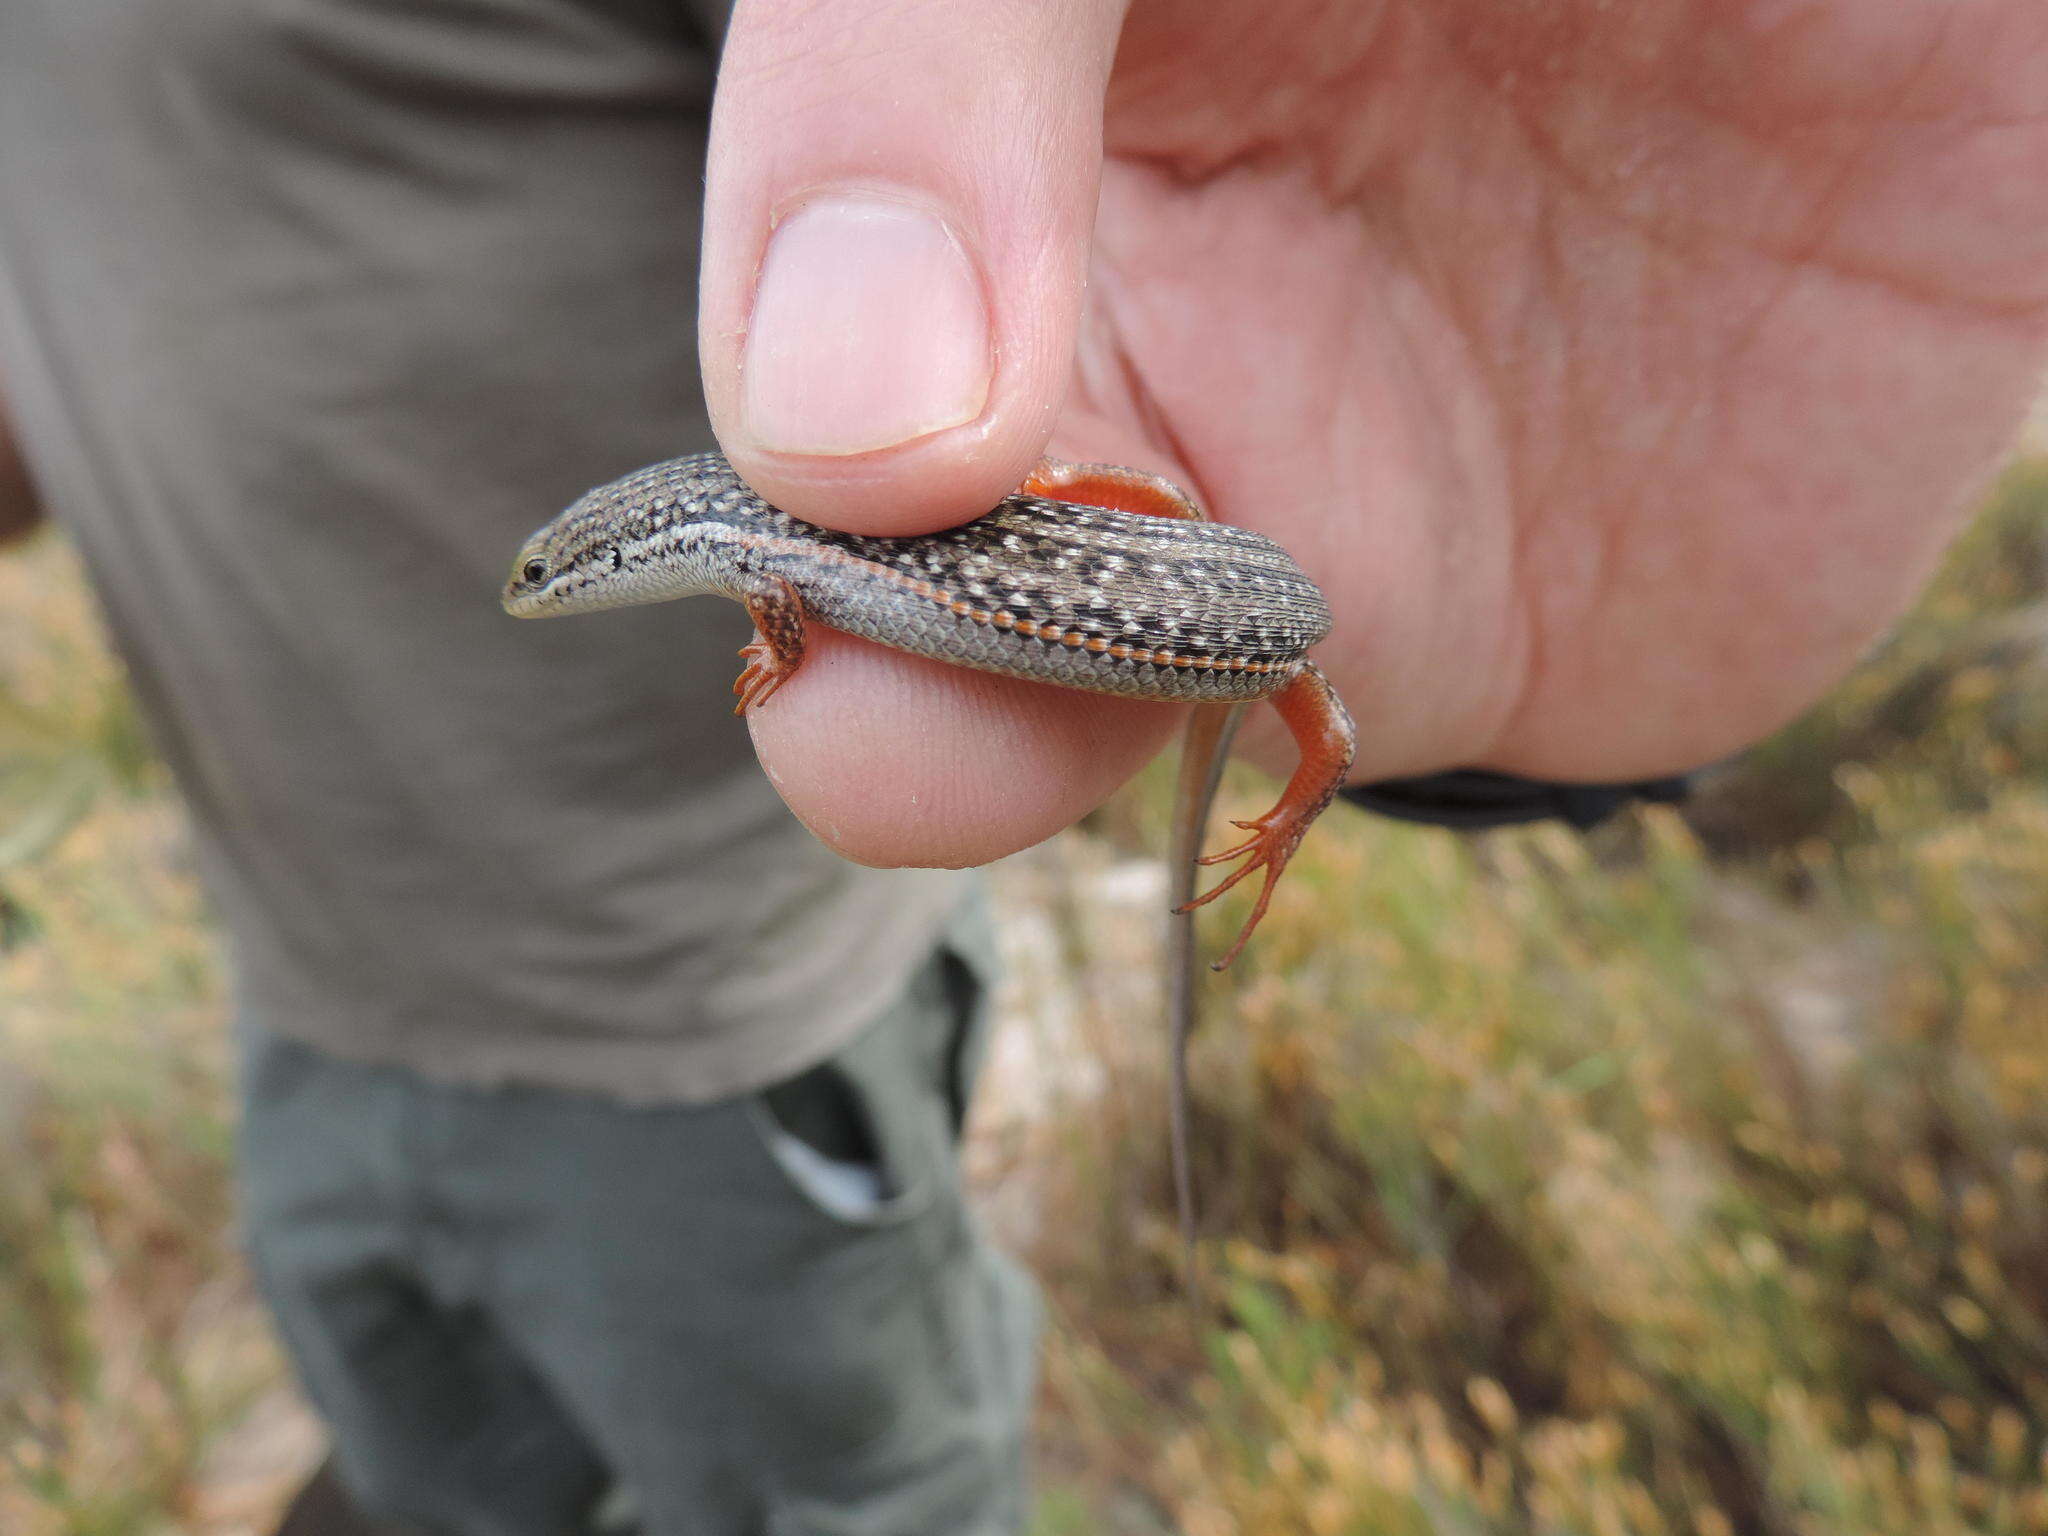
{"x":535,"y":572}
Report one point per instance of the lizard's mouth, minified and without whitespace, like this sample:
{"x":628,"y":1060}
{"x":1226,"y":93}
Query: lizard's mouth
{"x":526,"y":600}
{"x":525,"y":603}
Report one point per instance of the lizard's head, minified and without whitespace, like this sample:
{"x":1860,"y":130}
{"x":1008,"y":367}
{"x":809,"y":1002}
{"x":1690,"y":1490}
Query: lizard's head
{"x":618,"y":545}
{"x":573,"y":564}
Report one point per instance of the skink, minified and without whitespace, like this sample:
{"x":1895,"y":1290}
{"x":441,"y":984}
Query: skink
{"x":1090,"y":576}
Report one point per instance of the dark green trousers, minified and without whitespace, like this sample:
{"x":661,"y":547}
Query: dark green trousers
{"x":770,"y":1314}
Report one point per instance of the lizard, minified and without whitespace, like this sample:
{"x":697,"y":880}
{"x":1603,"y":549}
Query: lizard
{"x":1089,"y":576}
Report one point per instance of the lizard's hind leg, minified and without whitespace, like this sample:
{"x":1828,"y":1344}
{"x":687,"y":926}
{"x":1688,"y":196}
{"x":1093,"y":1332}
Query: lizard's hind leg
{"x":1327,"y":739}
{"x":1112,"y":486}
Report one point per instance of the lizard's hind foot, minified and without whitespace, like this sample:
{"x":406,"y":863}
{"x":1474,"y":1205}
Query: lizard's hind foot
{"x":1323,"y":731}
{"x":1274,"y":838}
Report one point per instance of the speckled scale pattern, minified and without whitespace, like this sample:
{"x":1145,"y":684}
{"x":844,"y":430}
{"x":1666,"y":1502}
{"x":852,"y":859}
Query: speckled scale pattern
{"x":1109,"y":601}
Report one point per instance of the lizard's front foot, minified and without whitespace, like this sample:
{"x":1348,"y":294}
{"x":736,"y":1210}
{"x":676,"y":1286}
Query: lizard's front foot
{"x":762,"y":675}
{"x":777,"y":648}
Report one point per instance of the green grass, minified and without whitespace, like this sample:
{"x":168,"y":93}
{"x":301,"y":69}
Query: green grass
{"x":1692,"y":1177}
{"x":1687,"y":1178}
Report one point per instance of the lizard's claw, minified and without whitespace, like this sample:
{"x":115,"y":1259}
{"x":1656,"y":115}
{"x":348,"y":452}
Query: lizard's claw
{"x":1258,"y":831}
{"x":1274,"y":838}
{"x":777,"y":649}
{"x":763,"y":674}
{"x":1322,"y":727}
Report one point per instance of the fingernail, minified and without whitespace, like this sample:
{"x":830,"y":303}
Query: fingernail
{"x":869,"y":329}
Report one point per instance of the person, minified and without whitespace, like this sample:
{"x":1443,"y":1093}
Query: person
{"x":1618,"y":374}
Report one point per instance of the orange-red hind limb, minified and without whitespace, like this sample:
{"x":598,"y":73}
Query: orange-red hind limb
{"x":1112,"y":486}
{"x":1323,"y":731}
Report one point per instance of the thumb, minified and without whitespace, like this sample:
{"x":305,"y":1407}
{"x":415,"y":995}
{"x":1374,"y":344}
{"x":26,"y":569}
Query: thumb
{"x":899,"y":200}
{"x":899,"y":203}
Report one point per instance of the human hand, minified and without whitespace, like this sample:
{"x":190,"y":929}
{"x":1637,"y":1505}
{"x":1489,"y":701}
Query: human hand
{"x":1619,"y":372}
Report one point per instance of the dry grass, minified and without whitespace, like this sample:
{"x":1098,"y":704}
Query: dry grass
{"x":126,"y":1337}
{"x":1690,"y":1178}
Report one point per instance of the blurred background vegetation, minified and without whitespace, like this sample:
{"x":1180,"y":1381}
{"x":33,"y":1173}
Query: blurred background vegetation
{"x":1691,"y":1177}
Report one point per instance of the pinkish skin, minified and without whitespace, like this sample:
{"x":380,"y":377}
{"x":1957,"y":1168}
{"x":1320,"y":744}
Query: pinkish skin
{"x":1618,"y":372}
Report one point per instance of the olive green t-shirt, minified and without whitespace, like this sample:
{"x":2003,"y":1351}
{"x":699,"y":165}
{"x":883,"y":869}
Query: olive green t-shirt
{"x":309,"y":311}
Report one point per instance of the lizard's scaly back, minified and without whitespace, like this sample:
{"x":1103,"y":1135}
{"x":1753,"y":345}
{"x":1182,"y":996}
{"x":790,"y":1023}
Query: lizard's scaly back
{"x":1111,"y":601}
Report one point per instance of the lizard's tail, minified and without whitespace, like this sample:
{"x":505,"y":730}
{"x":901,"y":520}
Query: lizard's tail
{"x":1204,"y":750}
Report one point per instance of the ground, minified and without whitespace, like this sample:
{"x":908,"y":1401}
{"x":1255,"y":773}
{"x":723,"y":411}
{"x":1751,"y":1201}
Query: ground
{"x":1690,"y":1177}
